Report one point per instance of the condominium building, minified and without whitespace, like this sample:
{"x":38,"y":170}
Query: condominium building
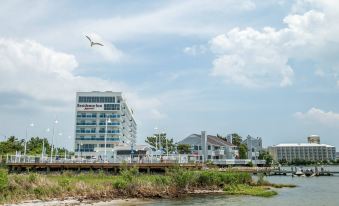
{"x":254,"y":146}
{"x":209,"y":147}
{"x":102,"y":116}
{"x":304,"y":151}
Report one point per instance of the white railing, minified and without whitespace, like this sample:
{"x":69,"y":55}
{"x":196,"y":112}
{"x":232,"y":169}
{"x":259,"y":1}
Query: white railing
{"x":173,"y":158}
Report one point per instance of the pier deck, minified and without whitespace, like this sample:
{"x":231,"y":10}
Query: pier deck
{"x":115,"y":167}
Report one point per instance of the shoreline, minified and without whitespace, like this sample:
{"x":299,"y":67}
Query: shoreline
{"x":74,"y":201}
{"x":118,"y":201}
{"x":88,"y":188}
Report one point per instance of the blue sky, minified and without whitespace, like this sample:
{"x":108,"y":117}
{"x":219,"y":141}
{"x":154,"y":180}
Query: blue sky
{"x":264,"y":68}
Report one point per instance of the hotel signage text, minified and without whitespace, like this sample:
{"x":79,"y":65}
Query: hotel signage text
{"x":89,"y":107}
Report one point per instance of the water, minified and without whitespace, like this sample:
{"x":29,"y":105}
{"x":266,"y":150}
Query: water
{"x":311,"y":191}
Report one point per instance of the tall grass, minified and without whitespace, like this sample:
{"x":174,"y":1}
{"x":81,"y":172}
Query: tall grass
{"x":130,"y":183}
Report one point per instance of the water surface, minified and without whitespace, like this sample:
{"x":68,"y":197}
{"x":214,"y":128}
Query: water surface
{"x":311,"y":191}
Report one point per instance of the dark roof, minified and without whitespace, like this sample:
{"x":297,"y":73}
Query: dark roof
{"x":195,"y":139}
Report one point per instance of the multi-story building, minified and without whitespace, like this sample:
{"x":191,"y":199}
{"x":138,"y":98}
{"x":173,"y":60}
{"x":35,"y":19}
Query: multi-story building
{"x":304,"y":151}
{"x":209,"y":147}
{"x":102,"y":116}
{"x":254,"y":146}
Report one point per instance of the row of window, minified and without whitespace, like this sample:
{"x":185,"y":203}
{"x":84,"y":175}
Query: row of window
{"x":111,"y":106}
{"x":97,"y":99}
{"x":100,"y":123}
{"x":91,"y":131}
{"x":90,"y":147}
{"x":94,"y":115}
{"x":209,"y":147}
{"x":98,"y":139}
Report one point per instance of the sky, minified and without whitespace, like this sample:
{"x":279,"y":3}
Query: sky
{"x":267,"y":68}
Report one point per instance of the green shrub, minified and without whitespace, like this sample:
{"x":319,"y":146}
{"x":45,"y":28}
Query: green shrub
{"x":3,"y":179}
{"x":120,"y":184}
{"x":32,"y":177}
{"x":129,"y":174}
{"x":182,"y":178}
{"x":261,"y":180}
{"x":65,"y":182}
{"x":40,"y":192}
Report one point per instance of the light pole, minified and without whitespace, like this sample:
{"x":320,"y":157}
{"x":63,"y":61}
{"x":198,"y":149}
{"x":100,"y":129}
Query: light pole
{"x":81,"y":150}
{"x":108,"y":120}
{"x":166,"y":145}
{"x":132,"y":152}
{"x":43,"y":144}
{"x":156,"y":138}
{"x":30,"y":125}
{"x":55,"y":122}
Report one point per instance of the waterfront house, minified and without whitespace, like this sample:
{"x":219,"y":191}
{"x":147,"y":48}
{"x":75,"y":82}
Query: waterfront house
{"x":215,"y":148}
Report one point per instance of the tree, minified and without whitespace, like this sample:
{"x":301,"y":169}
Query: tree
{"x":11,"y":146}
{"x":265,"y":155}
{"x":236,"y":139}
{"x":242,"y":151}
{"x":184,"y":148}
{"x":34,"y":146}
{"x":164,"y":142}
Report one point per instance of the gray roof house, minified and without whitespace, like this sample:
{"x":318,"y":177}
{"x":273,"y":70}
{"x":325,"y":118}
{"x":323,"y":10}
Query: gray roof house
{"x":216,"y":148}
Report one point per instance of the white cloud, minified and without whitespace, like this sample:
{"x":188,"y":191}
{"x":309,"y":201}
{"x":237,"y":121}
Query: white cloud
{"x":251,"y":58}
{"x":47,"y":76}
{"x":260,"y":58}
{"x":315,"y":115}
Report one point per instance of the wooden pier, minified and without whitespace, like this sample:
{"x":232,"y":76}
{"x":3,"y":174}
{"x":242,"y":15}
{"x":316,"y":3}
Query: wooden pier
{"x":107,"y":167}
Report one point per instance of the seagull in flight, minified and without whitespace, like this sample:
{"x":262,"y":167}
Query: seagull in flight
{"x":93,"y":43}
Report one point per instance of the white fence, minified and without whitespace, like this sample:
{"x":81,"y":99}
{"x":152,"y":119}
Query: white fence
{"x":177,"y":158}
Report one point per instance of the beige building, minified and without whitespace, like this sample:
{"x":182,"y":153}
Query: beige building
{"x":304,"y":151}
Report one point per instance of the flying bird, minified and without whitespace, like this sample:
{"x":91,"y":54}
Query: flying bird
{"x":93,"y":43}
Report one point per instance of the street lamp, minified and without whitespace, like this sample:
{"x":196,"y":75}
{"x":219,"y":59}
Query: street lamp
{"x":166,"y":145}
{"x":132,"y":152}
{"x":108,"y":120}
{"x":156,"y":138}
{"x":56,"y":150}
{"x":81,"y":150}
{"x":52,"y":147}
{"x":30,"y":125}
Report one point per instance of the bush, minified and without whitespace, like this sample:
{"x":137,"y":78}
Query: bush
{"x":120,"y":184}
{"x":250,"y":164}
{"x":129,"y":174}
{"x":3,"y":180}
{"x":182,"y":178}
{"x":64,"y":182}
{"x":32,"y":177}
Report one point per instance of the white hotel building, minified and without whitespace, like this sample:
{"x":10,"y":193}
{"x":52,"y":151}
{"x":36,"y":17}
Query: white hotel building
{"x":303,"y":151}
{"x":94,"y":112}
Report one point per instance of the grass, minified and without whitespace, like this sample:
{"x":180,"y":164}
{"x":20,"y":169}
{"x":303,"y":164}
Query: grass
{"x":263,"y":182}
{"x":130,"y":183}
{"x":242,"y":189}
